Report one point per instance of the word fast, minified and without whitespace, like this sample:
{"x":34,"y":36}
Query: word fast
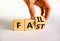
{"x":29,"y":24}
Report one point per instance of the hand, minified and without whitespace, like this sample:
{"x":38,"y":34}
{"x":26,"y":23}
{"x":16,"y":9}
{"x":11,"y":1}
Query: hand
{"x":42,"y":4}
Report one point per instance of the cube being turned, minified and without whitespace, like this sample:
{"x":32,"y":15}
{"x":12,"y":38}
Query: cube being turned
{"x":18,"y":25}
{"x":40,"y":22}
{"x":29,"y":25}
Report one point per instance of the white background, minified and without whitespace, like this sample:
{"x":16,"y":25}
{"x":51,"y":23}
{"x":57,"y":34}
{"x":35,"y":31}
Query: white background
{"x":17,"y":9}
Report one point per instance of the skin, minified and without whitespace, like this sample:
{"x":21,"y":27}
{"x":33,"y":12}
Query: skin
{"x":42,"y":4}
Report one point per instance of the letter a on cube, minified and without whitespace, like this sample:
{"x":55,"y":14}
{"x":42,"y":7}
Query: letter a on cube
{"x":29,"y":25}
{"x":18,"y":25}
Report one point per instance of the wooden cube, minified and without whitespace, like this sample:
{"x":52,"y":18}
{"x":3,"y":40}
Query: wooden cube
{"x":40,"y":22}
{"x":29,"y":25}
{"x":18,"y":25}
